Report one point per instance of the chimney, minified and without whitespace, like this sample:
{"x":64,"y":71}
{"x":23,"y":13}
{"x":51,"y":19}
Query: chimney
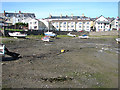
{"x":19,"y":12}
{"x":50,"y":16}
{"x":61,"y":15}
{"x":72,"y":15}
{"x":83,"y":14}
{"x":4,"y":12}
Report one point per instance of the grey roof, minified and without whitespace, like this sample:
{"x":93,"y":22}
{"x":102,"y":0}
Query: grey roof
{"x":102,"y":21}
{"x":66,"y":17}
{"x":19,"y":14}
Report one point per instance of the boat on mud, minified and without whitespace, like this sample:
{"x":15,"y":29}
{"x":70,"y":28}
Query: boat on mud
{"x":51,"y":34}
{"x":72,"y":35}
{"x":17,"y":34}
{"x":118,"y":40}
{"x":83,"y":36}
{"x":46,"y":39}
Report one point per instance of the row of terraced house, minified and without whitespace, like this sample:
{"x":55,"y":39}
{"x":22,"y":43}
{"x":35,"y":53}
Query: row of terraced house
{"x":61,"y":23}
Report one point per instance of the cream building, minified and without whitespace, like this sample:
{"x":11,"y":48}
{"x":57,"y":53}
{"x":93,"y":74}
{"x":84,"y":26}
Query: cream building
{"x":69,"y":23}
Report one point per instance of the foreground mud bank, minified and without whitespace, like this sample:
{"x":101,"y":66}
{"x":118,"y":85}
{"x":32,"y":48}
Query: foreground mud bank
{"x":86,"y":63}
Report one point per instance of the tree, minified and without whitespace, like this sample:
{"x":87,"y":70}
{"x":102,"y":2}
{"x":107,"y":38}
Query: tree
{"x":21,"y":25}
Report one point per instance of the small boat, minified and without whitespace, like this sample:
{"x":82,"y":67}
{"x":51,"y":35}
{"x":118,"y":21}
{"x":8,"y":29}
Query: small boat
{"x":46,"y":39}
{"x":83,"y":36}
{"x":51,"y":34}
{"x":17,"y":34}
{"x":2,"y":49}
{"x":72,"y":35}
{"x":118,"y":40}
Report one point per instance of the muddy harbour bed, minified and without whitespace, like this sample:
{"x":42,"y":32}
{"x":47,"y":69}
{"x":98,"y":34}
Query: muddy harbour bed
{"x":86,"y":63}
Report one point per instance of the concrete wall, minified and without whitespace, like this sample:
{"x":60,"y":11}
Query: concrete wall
{"x":105,"y":33}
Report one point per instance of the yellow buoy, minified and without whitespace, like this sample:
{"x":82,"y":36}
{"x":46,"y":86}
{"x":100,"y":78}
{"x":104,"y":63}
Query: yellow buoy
{"x":62,"y":50}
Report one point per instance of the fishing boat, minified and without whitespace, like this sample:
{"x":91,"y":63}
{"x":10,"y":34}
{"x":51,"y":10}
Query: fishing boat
{"x":17,"y":34}
{"x":51,"y":34}
{"x":46,"y":39}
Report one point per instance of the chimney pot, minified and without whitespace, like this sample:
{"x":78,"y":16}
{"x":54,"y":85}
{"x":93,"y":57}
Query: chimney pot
{"x":19,"y":12}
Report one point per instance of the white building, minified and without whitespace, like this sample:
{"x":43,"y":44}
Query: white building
{"x":36,"y":24}
{"x":18,"y":17}
{"x":70,"y":23}
{"x":115,"y":24}
{"x":102,"y":24}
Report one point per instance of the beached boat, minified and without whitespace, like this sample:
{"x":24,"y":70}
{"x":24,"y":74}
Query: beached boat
{"x":17,"y":34}
{"x":2,"y":49}
{"x":51,"y":34}
{"x":83,"y":37}
{"x":46,"y":39}
{"x":72,"y":35}
{"x":118,"y":39}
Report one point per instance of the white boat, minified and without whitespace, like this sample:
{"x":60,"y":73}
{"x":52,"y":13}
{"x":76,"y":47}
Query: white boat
{"x":51,"y":34}
{"x":72,"y":35}
{"x":46,"y":39}
{"x":83,"y":37}
{"x":17,"y":34}
{"x":118,"y":39}
{"x":2,"y":50}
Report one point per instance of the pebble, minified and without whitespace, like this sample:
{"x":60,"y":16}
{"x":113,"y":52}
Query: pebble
{"x":97,"y":83}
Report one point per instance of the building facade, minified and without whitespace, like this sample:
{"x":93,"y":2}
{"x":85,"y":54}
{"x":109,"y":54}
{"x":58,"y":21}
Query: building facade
{"x":102,"y":24}
{"x":35,"y":24}
{"x":115,"y":24}
{"x":69,"y":23}
{"x":18,"y":17}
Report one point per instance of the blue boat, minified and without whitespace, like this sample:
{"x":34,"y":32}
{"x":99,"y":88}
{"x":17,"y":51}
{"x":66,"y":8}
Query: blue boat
{"x":51,"y":34}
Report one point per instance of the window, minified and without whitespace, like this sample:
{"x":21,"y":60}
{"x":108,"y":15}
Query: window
{"x":30,"y":22}
{"x":72,"y":26}
{"x":79,"y":26}
{"x":87,"y":22}
{"x":101,"y":26}
{"x":35,"y":27}
{"x":71,"y":22}
{"x":64,"y":22}
{"x":87,"y":26}
{"x":80,"y":22}
{"x":83,"y":22}
{"x":35,"y":22}
{"x":57,"y":26}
